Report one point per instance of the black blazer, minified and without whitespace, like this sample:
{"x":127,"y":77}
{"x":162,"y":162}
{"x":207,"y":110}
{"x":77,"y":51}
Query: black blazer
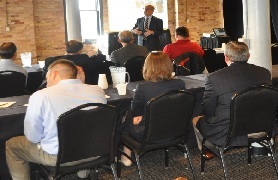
{"x":220,"y":87}
{"x":152,"y":41}
{"x":148,"y":90}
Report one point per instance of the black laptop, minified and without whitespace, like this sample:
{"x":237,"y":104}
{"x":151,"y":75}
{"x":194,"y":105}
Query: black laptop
{"x":219,"y":32}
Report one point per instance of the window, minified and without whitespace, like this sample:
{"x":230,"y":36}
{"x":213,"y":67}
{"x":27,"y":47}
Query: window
{"x":123,"y":13}
{"x":90,"y":19}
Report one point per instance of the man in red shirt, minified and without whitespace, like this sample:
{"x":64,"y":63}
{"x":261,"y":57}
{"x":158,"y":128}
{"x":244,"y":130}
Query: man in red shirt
{"x":182,"y":44}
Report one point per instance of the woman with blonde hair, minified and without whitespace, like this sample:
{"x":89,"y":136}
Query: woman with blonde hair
{"x":157,"y":72}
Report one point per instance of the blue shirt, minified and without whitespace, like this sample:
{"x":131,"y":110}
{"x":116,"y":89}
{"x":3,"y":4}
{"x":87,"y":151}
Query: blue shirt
{"x":46,"y":105}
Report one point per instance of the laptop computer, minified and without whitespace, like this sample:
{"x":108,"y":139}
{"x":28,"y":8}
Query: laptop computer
{"x":219,"y":32}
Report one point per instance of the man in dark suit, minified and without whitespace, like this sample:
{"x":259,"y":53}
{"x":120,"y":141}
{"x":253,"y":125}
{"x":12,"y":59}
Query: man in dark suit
{"x":220,"y":87}
{"x":128,"y":51}
{"x":148,"y":29}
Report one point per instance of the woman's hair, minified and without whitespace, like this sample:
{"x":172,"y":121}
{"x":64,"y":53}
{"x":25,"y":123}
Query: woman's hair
{"x":157,"y":67}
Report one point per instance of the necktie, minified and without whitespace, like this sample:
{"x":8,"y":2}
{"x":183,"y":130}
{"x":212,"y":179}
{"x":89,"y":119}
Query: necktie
{"x":146,"y":26}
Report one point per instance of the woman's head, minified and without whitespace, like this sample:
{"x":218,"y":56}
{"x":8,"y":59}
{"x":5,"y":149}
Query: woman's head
{"x":158,"y":66}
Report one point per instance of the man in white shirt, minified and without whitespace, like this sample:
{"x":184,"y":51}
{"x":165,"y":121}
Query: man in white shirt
{"x":8,"y":55}
{"x":40,"y":143}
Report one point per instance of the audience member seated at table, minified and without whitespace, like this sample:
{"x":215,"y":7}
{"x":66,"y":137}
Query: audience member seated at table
{"x":182,"y":44}
{"x":157,"y":72}
{"x":129,"y":50}
{"x":40,"y":143}
{"x":220,"y":87}
{"x":73,"y":53}
{"x":8,"y":54}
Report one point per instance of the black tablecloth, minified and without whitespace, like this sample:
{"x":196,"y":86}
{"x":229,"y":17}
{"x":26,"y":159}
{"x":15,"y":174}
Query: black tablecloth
{"x":213,"y":42}
{"x":11,"y":118}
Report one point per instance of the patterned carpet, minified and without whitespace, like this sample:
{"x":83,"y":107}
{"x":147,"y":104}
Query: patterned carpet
{"x":236,"y":159}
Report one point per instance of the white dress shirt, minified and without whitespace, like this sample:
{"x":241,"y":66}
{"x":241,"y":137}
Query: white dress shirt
{"x":46,"y":105}
{"x":9,"y":65}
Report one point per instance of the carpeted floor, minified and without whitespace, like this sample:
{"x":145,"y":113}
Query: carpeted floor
{"x":236,"y":159}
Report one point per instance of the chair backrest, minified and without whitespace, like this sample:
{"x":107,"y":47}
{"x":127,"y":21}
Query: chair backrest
{"x":85,"y":133}
{"x":12,"y":83}
{"x":168,"y":116}
{"x":209,"y":59}
{"x":192,"y":62}
{"x":95,"y":68}
{"x":219,"y":61}
{"x":253,"y":110}
{"x":134,"y":67}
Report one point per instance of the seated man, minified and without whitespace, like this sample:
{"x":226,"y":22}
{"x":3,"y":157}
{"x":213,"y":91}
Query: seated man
{"x":128,"y":51}
{"x":73,"y":53}
{"x":184,"y":50}
{"x":182,"y":44}
{"x":220,"y":87}
{"x":40,"y":143}
{"x":8,"y":55}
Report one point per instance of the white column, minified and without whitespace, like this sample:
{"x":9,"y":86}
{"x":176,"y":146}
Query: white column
{"x":73,"y":20}
{"x":257,"y":29}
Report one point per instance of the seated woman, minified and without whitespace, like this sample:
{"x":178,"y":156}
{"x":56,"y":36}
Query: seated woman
{"x":157,"y":72}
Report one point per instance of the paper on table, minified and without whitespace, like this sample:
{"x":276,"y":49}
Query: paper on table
{"x":6,"y":104}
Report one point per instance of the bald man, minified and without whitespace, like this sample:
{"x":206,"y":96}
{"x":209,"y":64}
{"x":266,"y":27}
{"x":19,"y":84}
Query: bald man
{"x":40,"y":143}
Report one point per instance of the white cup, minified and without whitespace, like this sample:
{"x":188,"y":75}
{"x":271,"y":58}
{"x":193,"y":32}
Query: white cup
{"x":223,"y":46}
{"x":102,"y":81}
{"x":121,"y":88}
{"x":41,"y":64}
{"x":26,"y":59}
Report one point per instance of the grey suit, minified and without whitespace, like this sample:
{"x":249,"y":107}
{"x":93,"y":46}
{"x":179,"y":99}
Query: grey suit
{"x":122,"y":55}
{"x":220,"y":87}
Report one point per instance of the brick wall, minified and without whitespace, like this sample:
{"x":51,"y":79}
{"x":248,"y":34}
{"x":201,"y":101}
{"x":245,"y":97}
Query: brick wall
{"x":198,"y":15}
{"x":38,"y":26}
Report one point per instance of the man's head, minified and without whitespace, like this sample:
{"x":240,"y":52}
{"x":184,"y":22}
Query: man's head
{"x":125,"y":37}
{"x":8,"y":50}
{"x":149,"y":9}
{"x":59,"y":70}
{"x":74,"y":47}
{"x":236,"y":52}
{"x":182,"y":33}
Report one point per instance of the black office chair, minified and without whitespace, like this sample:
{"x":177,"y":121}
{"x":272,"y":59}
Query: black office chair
{"x":252,"y":111}
{"x":192,"y":64}
{"x":209,"y":59}
{"x":86,"y":135}
{"x":95,"y":68}
{"x":12,"y":83}
{"x":219,"y":61}
{"x":167,"y":119}
{"x":134,"y":67}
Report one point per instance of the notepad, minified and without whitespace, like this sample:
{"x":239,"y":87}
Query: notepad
{"x":6,"y":104}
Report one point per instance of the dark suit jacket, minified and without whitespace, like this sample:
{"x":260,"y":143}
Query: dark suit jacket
{"x":152,"y":42}
{"x":78,"y":59}
{"x":145,"y":92}
{"x":122,"y":55}
{"x":220,"y":87}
